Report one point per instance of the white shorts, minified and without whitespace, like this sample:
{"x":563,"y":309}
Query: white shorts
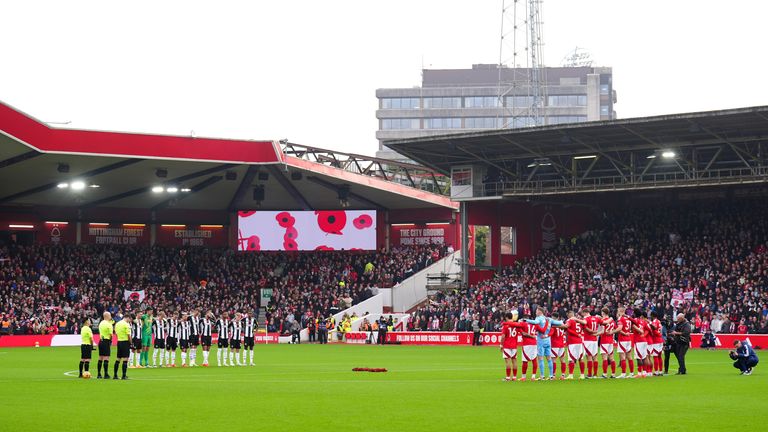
{"x":508,"y":353}
{"x":607,"y":349}
{"x":625,"y":346}
{"x":529,"y":352}
{"x":655,"y":349}
{"x":575,"y":351}
{"x":641,"y":350}
{"x":558,"y":352}
{"x":590,"y":348}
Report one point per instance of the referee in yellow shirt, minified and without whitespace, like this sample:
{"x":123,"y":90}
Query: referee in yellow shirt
{"x":86,"y":349}
{"x":105,"y":343}
{"x":123,"y":332}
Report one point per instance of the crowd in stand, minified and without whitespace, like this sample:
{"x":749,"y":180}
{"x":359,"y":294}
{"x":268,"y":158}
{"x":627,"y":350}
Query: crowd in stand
{"x":51,"y":289}
{"x":710,"y":258}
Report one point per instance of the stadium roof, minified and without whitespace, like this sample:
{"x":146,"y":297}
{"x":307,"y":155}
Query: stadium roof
{"x":716,"y":147}
{"x":221,"y":174}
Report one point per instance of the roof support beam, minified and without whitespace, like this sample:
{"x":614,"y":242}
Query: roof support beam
{"x":487,"y":161}
{"x":714,"y":158}
{"x":335,"y":188}
{"x":19,"y":158}
{"x":196,"y":188}
{"x":85,"y":175}
{"x":289,"y":187}
{"x":242,"y":188}
{"x":145,"y":189}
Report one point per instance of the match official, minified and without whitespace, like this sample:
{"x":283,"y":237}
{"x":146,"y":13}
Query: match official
{"x":86,"y":349}
{"x":105,"y":344}
{"x":682,"y":336}
{"x":123,"y":331}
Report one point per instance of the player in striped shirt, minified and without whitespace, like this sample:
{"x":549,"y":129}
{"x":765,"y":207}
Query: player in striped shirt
{"x":250,"y":326}
{"x":159,"y":329}
{"x":172,"y":341}
{"x":206,"y":330}
{"x":184,"y":332}
{"x":222,"y":328}
{"x":136,"y":330}
{"x":194,"y":336}
{"x":235,"y":333}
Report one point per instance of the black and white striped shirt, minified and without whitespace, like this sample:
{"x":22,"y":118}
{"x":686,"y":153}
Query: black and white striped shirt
{"x":222,"y":328}
{"x":159,"y":329}
{"x":173,"y":328}
{"x":195,"y":325}
{"x":235,"y":330}
{"x":205,"y":327}
{"x":249,"y":325}
{"x":184,"y":328}
{"x":136,"y":330}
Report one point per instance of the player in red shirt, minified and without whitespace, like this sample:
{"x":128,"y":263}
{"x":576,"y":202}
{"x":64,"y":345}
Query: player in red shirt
{"x":509,"y":332}
{"x":625,"y":342}
{"x":591,"y":330}
{"x":607,"y":343}
{"x":657,"y":345}
{"x":530,"y":349}
{"x":573,"y":337}
{"x":641,"y":331}
{"x":557,"y":336}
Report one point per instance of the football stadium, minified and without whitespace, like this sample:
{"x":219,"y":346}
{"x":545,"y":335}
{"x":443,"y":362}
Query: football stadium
{"x":604,"y":274}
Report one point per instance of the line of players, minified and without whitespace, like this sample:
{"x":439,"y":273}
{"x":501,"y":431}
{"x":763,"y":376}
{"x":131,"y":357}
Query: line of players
{"x":637,"y":340}
{"x":188,"y":331}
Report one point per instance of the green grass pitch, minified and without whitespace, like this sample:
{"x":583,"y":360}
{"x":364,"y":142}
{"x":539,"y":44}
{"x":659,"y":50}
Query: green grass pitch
{"x":312,"y":388}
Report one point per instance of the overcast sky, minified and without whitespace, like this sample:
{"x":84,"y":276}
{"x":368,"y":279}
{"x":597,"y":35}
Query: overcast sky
{"x":308,"y":70}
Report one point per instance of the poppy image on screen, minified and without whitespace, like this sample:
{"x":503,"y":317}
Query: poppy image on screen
{"x":322,"y":230}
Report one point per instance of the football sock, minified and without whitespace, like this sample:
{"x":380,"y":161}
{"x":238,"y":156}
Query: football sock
{"x":509,"y":370}
{"x":130,"y":357}
{"x":231,"y":357}
{"x":581,"y":367}
{"x":613,"y":367}
{"x":218,"y":356}
{"x":589,"y":367}
{"x":570,"y":367}
{"x":125,"y":369}
{"x":631,"y":366}
{"x":183,"y":358}
{"x":193,"y":356}
{"x":535,"y":367}
{"x":205,"y":357}
{"x":173,"y":358}
{"x":81,"y":368}
{"x":623,"y":364}
{"x":106,"y":368}
{"x":525,"y":368}
{"x":251,"y":354}
{"x":563,"y":367}
{"x":541,"y":367}
{"x":101,"y":362}
{"x":605,"y":366}
{"x":594,"y":367}
{"x":87,"y":366}
{"x":154,"y":358}
{"x":117,"y":367}
{"x":550,"y":363}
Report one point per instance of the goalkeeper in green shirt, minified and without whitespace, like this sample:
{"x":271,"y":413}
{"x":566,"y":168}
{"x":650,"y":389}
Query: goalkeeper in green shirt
{"x":146,"y":337}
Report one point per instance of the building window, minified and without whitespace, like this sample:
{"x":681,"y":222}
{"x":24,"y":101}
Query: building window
{"x":605,"y":110}
{"x":519,"y":101}
{"x":481,"y":102}
{"x":483,"y":123}
{"x":399,"y":103}
{"x":605,"y":89}
{"x":442,"y":123}
{"x":389,"y":124}
{"x":565,"y":119}
{"x":442,"y":102}
{"x":520,"y":122}
{"x":567,"y":100}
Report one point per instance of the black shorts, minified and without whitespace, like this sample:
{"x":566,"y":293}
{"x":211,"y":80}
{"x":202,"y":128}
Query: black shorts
{"x":248,"y":342}
{"x":123,"y":349}
{"x":184,"y":343}
{"x":206,"y":341}
{"x":194,"y":340}
{"x":234,"y":343}
{"x":223,"y":343}
{"x":171,"y":344}
{"x":159,"y":343}
{"x":86,"y":351}
{"x":136,"y":344}
{"x":105,"y":348}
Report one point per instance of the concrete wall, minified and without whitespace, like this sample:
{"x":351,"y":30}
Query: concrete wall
{"x":413,"y":290}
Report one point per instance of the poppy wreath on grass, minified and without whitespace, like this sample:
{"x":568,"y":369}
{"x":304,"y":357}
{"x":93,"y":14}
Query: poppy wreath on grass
{"x":369,"y":369}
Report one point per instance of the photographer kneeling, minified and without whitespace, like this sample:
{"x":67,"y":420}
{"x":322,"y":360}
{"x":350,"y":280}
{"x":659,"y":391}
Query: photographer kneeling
{"x":745,"y":357}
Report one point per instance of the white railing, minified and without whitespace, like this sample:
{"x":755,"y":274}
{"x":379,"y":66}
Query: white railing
{"x":413,"y":290}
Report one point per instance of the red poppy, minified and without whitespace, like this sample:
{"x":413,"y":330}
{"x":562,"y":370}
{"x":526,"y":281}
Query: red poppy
{"x":290,"y":245}
{"x":245,"y":214}
{"x":291,"y":233}
{"x":253,"y":243}
{"x":285,"y":220}
{"x":332,"y":221}
{"x":363,"y":222}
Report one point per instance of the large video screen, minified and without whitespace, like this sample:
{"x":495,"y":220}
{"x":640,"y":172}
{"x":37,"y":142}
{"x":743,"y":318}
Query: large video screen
{"x":306,"y":230}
